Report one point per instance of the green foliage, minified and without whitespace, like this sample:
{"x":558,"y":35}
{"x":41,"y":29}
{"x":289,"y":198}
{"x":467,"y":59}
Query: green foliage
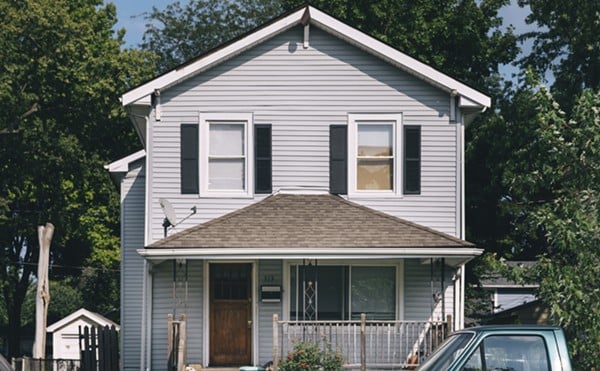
{"x":61,"y":73}
{"x":569,"y":269}
{"x":65,"y":298}
{"x":565,"y":42}
{"x":181,"y":32}
{"x":552,"y":191}
{"x":308,"y":356}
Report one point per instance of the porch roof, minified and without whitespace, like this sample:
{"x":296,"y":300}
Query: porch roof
{"x":310,"y":225}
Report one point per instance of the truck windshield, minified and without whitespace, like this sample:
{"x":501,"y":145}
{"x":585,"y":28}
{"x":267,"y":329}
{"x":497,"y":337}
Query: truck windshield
{"x":446,"y":353}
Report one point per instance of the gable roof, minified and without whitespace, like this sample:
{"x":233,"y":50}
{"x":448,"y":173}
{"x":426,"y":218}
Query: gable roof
{"x":302,"y":225}
{"x":495,"y":280}
{"x":467,"y":96}
{"x":96,"y":318}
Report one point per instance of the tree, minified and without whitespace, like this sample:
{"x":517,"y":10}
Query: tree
{"x":556,"y":182}
{"x":179,"y":33}
{"x":565,"y":43}
{"x":503,"y":203}
{"x":62,"y":70}
{"x":66,"y":299}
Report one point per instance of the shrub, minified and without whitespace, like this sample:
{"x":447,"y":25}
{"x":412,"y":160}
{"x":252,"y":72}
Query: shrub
{"x":308,"y":356}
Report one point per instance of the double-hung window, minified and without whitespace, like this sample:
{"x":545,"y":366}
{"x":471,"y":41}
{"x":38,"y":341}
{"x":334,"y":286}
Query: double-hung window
{"x":374,"y":159}
{"x":225,"y":155}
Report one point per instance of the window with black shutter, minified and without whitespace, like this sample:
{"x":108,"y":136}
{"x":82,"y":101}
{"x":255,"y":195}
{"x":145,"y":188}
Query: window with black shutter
{"x":338,"y":159}
{"x":262,"y":160}
{"x":189,"y":159}
{"x":412,"y":160}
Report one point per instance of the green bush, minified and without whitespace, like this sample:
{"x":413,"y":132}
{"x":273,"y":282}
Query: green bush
{"x":308,"y":356}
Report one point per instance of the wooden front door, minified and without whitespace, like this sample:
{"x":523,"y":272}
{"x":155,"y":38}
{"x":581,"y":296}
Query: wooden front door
{"x":230,"y":314}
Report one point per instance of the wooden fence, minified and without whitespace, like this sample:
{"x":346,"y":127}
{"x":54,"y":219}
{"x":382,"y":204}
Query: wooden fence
{"x":99,"y":348}
{"x":371,"y":344}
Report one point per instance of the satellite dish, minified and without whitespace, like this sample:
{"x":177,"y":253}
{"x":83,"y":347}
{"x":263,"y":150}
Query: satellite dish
{"x":168,"y":210}
{"x":170,"y":216}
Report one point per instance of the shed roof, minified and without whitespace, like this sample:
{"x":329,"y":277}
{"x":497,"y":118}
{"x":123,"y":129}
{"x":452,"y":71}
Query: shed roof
{"x":93,"y":317}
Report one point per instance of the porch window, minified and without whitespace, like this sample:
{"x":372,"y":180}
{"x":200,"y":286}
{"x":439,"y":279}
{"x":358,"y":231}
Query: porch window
{"x":342,"y":292}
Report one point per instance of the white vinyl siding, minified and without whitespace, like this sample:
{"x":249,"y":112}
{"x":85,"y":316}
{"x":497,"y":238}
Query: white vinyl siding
{"x":132,"y":266}
{"x":162,"y":306}
{"x":301,"y":92}
{"x":420,"y":284}
{"x":507,"y":298}
{"x":269,"y":273}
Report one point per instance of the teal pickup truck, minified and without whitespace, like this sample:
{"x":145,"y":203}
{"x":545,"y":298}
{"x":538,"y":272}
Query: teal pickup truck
{"x":502,"y":348}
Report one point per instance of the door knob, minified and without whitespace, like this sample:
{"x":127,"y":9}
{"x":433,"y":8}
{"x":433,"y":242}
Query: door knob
{"x":249,"y":324}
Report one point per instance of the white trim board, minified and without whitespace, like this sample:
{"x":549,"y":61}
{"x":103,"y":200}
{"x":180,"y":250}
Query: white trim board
{"x":454,"y":256}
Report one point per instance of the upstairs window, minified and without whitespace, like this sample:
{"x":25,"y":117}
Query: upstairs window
{"x":375,"y":156}
{"x":225,"y":166}
{"x":225,"y":156}
{"x":374,"y":163}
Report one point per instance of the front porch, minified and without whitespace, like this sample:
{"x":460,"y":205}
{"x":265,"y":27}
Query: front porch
{"x":365,"y":344}
{"x":316,"y":261}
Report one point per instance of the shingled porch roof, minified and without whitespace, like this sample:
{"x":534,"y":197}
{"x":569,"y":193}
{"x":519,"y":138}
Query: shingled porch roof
{"x":309,"y":225}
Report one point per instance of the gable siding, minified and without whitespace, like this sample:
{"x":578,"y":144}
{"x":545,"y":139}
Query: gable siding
{"x":301,"y":92}
{"x":132,"y":267}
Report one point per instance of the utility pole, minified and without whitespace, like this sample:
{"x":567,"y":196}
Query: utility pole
{"x":42,"y":298}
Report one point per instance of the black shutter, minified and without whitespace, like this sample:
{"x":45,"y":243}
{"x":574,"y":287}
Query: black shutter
{"x":262,"y":159}
{"x":412,"y":160}
{"x":189,"y":159}
{"x":338,"y":159}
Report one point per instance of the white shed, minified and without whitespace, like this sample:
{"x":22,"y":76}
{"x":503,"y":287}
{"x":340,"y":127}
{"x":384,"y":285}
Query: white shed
{"x":65,"y":333}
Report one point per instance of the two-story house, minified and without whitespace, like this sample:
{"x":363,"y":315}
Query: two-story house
{"x":304,"y":169}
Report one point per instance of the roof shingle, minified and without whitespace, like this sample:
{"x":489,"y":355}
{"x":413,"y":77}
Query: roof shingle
{"x":308,"y":221}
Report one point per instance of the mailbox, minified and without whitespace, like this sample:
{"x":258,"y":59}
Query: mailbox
{"x":270,"y":294}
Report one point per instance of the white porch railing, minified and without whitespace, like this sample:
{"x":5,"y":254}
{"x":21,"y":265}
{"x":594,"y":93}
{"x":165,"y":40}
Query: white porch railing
{"x":365,"y":344}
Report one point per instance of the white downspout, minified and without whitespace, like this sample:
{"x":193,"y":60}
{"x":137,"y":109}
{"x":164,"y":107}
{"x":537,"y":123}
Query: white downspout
{"x":149,"y":320}
{"x":146,"y":335}
{"x":457,"y":118}
{"x":143,"y":324}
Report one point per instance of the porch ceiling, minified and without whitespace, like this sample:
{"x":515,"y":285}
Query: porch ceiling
{"x":309,"y":225}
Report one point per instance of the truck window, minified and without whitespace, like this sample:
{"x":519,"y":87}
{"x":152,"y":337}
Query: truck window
{"x":447,"y":352}
{"x":509,"y":353}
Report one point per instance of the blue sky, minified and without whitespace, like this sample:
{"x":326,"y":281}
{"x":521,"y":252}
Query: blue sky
{"x":129,"y":13}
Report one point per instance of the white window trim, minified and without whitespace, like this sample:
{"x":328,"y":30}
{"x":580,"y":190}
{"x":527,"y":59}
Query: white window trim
{"x":399,"y":265}
{"x":205,"y":119}
{"x":353,"y":120}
